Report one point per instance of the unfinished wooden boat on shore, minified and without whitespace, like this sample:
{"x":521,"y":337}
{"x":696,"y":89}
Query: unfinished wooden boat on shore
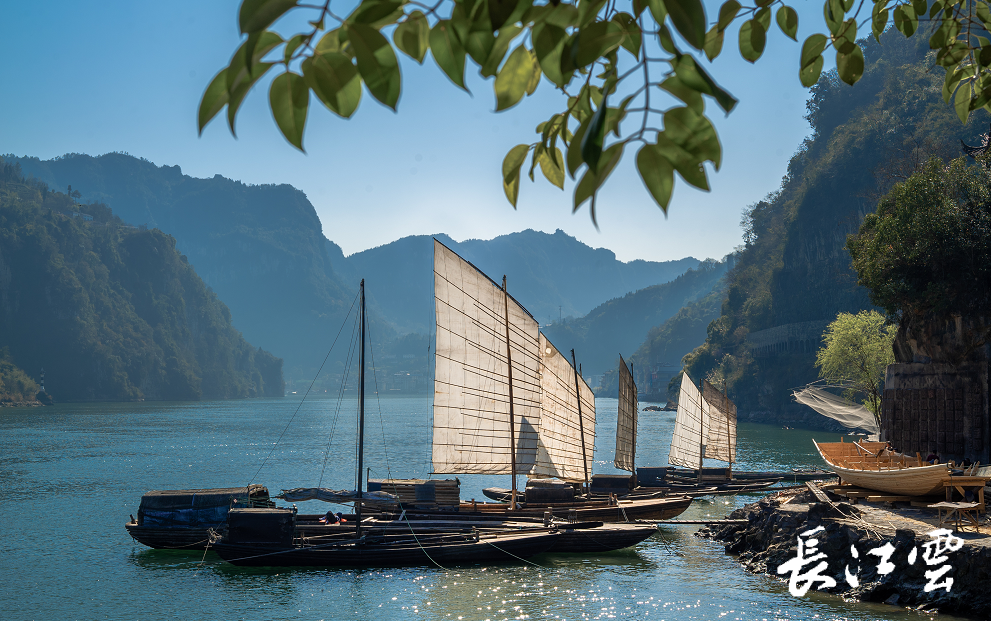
{"x":871,"y":466}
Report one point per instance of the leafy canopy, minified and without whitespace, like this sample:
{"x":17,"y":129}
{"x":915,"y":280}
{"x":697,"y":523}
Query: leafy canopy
{"x":856,"y":350}
{"x":611,"y":61}
{"x":926,"y":253}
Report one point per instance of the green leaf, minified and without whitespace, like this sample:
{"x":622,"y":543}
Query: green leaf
{"x":688,"y":95}
{"x":787,"y":19}
{"x":953,"y":79}
{"x":377,"y":63}
{"x":514,"y":77}
{"x":256,"y":15}
{"x":499,"y":49}
{"x":552,"y":165}
{"x":906,"y":22}
{"x":240,"y":91}
{"x":597,"y":40}
{"x":574,"y":156}
{"x":334,"y":79}
{"x":291,"y":46}
{"x":961,"y":102}
{"x":330,"y":42}
{"x":850,"y":66}
{"x":587,"y":10}
{"x":658,"y":10}
{"x":846,"y":39}
{"x":548,"y":43}
{"x":694,"y":133}
{"x":511,"y":172}
{"x":920,"y":6}
{"x":531,"y":88}
{"x":593,"y":179}
{"x":479,"y":44}
{"x":412,"y":36}
{"x":752,"y":40}
{"x":447,"y":51}
{"x":665,"y":39}
{"x":763,"y":17}
{"x":657,"y":175}
{"x":289,"y":97}
{"x":809,"y":74}
{"x":694,"y":77}
{"x":214,"y":99}
{"x":251,"y":51}
{"x":499,"y":12}
{"x":594,"y":136}
{"x":713,"y":43}
{"x":833,"y":13}
{"x":727,"y":13}
{"x":879,"y":20}
{"x":632,"y":35}
{"x":688,"y":17}
{"x":811,"y":50}
{"x":376,"y":13}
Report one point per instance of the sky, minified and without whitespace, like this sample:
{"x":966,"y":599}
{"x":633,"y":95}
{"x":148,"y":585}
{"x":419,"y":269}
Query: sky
{"x":97,"y":77}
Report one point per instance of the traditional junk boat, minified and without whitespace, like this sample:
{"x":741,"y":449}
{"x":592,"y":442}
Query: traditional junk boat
{"x":705,"y":426}
{"x":506,"y":401}
{"x":182,"y":519}
{"x":871,"y":466}
{"x":274,"y":537}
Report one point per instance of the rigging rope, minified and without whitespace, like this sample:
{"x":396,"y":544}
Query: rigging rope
{"x":286,"y":428}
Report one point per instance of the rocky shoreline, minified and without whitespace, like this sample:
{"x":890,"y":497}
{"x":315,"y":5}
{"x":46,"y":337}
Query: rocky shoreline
{"x":878,"y":553}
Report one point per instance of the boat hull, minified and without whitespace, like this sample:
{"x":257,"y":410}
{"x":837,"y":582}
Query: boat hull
{"x":471,"y":550}
{"x":906,"y":481}
{"x":605,"y":538}
{"x":623,"y":511}
{"x":169,"y":538}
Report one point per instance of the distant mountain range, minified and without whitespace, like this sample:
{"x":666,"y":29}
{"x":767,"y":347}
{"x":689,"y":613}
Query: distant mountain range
{"x":262,"y":249}
{"x":621,"y":325}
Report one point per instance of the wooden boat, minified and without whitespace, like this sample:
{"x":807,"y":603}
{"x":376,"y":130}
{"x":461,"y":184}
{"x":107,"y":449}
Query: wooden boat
{"x":182,"y":519}
{"x":653,"y":507}
{"x":269,"y":538}
{"x":869,"y":465}
{"x":506,"y":401}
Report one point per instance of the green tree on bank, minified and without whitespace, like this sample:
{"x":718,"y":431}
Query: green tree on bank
{"x":856,"y":351}
{"x":15,"y":385}
{"x":925,"y":255}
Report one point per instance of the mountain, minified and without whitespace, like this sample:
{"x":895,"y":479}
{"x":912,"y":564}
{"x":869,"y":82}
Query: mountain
{"x":112,"y":312}
{"x":620,"y":325}
{"x":261,"y":248}
{"x":794,"y":273}
{"x":552,"y":275}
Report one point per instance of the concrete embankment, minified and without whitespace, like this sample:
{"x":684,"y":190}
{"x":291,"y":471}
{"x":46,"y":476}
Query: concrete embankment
{"x":869,"y":553}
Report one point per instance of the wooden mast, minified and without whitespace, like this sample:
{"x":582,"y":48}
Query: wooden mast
{"x":512,"y":419}
{"x":361,"y":412}
{"x":633,"y":449}
{"x":701,"y":429}
{"x":581,"y":422}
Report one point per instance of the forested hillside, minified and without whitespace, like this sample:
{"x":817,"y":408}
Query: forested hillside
{"x":112,"y":312}
{"x":620,"y":325}
{"x":794,"y":274}
{"x":260,"y":248}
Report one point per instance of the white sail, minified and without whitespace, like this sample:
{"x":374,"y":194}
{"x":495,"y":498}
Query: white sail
{"x":691,"y":426}
{"x":722,"y":424}
{"x":626,"y":420}
{"x":471,"y":387}
{"x":559,"y":448}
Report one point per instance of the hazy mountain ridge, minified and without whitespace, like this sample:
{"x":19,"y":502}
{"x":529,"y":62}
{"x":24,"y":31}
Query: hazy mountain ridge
{"x":621,"y":325}
{"x":111,"y":312}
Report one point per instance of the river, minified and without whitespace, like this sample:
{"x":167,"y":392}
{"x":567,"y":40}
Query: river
{"x":72,"y":474}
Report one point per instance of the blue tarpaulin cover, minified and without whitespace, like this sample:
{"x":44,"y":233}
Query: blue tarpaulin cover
{"x":196,"y":508}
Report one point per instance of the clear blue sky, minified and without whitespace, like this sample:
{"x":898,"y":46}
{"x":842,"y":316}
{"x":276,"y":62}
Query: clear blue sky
{"x":95,"y":77}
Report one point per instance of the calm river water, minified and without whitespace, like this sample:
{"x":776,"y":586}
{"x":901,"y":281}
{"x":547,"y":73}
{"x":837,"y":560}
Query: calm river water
{"x":70,"y":475}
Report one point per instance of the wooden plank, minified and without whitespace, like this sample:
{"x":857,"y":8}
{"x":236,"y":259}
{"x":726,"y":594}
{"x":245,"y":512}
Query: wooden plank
{"x":921,"y":503}
{"x":818,"y":493}
{"x":889,"y":498}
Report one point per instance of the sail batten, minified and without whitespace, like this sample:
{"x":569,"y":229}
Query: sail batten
{"x":626,"y":421}
{"x":471,"y":380}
